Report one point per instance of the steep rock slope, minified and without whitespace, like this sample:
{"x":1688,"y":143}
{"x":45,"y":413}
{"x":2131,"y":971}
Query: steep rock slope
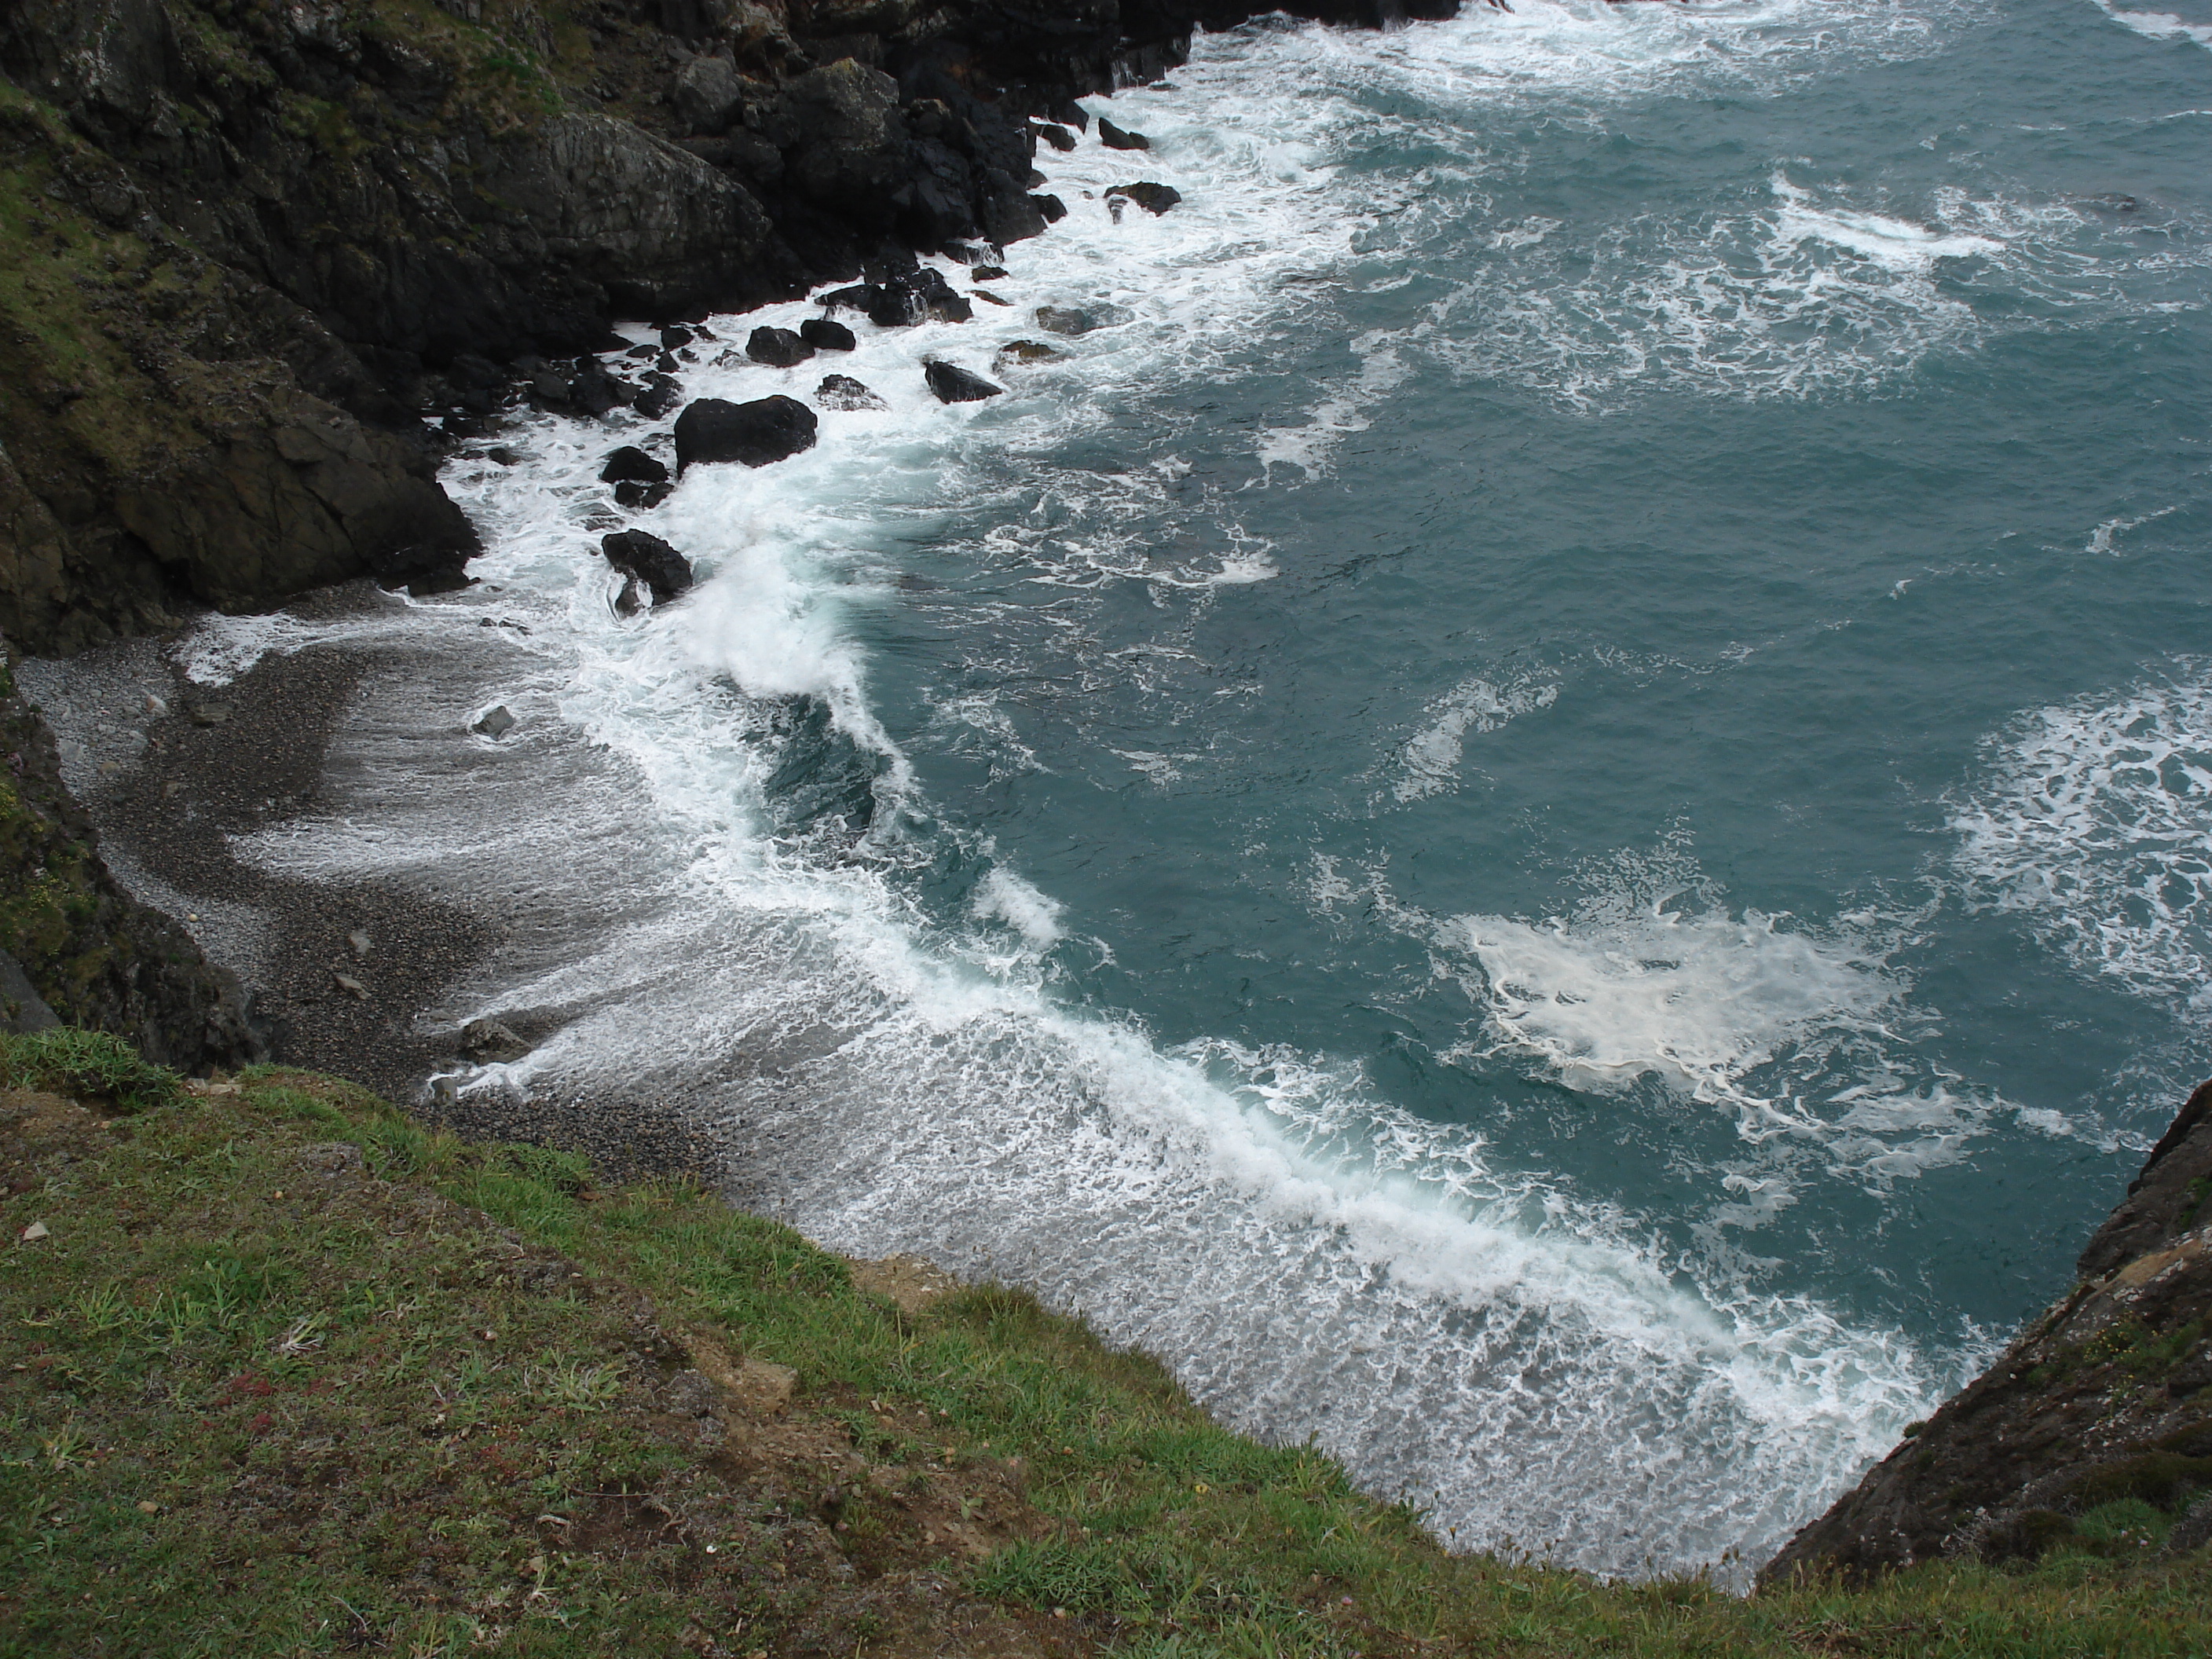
{"x":2101,"y":1410}
{"x":246,"y":250}
{"x":73,"y":944}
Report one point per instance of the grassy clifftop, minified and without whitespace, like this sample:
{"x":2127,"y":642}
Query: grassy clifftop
{"x":281,"y":1371}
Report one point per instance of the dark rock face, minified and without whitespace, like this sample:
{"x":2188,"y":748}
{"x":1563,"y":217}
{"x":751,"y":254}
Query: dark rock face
{"x":766,"y":430}
{"x":1058,"y":137}
{"x":1155,"y":199}
{"x":953,"y":384}
{"x":778,"y":346}
{"x":651,"y":560}
{"x":1114,"y":138}
{"x":824,"y":335}
{"x":284,"y":236}
{"x":2108,"y":1395}
{"x":706,"y":96}
{"x":843,"y":391}
{"x":92,"y":955}
{"x":631,"y":493}
{"x":630,"y":464}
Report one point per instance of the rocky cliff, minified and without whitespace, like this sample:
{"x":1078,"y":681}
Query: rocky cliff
{"x":74,"y":948}
{"x":258,"y":261}
{"x":2094,"y":1432}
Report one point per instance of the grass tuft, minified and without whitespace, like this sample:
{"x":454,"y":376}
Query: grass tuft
{"x":89,"y":1065}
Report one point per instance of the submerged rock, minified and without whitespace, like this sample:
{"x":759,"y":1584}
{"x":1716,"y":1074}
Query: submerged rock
{"x":765,"y":430}
{"x":1154,"y":198}
{"x":642,"y":496}
{"x":954,"y":385}
{"x":662,"y":393}
{"x":1065,"y":320}
{"x":652,"y":560}
{"x":629,"y":464}
{"x":1018,"y":354}
{"x":987,"y":273}
{"x":1116,"y":138}
{"x":1057,"y":136}
{"x":824,"y":335}
{"x":779,"y":347}
{"x":494,"y":724}
{"x":843,"y":391}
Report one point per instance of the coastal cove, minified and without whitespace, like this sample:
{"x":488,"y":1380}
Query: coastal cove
{"x":1520,"y":770}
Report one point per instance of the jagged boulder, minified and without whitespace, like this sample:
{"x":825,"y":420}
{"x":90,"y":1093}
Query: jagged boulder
{"x":825,"y":335}
{"x":650,"y":560}
{"x":843,"y":392}
{"x":955,"y":384}
{"x":779,"y":348}
{"x":629,"y":464}
{"x":766,"y":430}
{"x":852,"y":149}
{"x":1154,"y":198}
{"x":706,"y":96}
{"x":1116,"y":138}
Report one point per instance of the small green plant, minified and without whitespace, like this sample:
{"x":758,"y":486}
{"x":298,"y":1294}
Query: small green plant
{"x":90,"y":1064}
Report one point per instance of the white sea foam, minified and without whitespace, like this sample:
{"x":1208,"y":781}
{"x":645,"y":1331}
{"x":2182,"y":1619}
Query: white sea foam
{"x":1430,"y":758}
{"x":2094,"y":821}
{"x":1806,"y":293}
{"x":1002,"y":895}
{"x":2101,"y":538}
{"x":1700,"y":1000}
{"x":2158,"y":25}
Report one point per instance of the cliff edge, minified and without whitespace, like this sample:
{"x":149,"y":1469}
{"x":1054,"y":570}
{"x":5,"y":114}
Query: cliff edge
{"x":2094,"y":1427}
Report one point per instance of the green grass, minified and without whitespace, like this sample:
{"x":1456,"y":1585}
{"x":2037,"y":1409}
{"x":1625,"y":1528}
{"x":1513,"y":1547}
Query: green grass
{"x":240,"y":1415}
{"x":91,"y":1065}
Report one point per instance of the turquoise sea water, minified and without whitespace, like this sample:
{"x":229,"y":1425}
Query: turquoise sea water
{"x":1544,"y":815}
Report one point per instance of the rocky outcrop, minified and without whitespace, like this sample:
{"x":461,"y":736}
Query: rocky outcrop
{"x":87,"y":952}
{"x":758,"y":434}
{"x":2106,"y":1401}
{"x":955,"y":384}
{"x":254,"y":249}
{"x":648,"y":559}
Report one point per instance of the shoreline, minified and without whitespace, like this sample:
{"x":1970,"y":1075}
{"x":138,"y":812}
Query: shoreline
{"x":168,"y":792}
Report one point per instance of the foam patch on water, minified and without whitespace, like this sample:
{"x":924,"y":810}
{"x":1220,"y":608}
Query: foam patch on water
{"x":1431,"y":759}
{"x":2158,"y":25}
{"x":2095,"y":821}
{"x":1701,"y":1001}
{"x":1807,"y":292}
{"x":1002,"y":895}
